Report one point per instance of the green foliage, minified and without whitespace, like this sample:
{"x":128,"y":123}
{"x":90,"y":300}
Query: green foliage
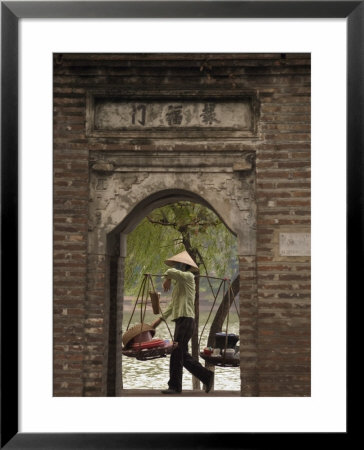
{"x":148,"y":246}
{"x":169,"y":230}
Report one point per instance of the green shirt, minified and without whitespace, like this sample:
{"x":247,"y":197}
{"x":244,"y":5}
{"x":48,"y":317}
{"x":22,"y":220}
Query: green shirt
{"x":183,"y":295}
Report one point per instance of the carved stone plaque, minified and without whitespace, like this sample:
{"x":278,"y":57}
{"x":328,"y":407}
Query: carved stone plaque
{"x":183,"y":115}
{"x":295,"y":244}
{"x":119,"y":115}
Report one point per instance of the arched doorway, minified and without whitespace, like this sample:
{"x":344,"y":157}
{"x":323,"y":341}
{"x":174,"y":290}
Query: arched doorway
{"x":122,"y":191}
{"x":116,"y":244}
{"x":168,"y":230}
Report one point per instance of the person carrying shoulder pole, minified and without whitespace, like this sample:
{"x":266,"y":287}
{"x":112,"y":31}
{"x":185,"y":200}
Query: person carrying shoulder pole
{"x":182,"y":311}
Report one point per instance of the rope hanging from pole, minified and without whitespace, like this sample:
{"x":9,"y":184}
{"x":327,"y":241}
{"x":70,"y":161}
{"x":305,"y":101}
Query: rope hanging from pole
{"x":160,"y":309}
{"x":150,"y":349}
{"x":225,"y":354}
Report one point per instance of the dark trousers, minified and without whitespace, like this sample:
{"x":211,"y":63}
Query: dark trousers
{"x":181,"y":358}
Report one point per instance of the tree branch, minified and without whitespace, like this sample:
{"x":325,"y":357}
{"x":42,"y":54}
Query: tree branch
{"x":158,"y":222}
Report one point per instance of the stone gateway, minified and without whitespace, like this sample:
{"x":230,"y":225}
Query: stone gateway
{"x":133,"y":132}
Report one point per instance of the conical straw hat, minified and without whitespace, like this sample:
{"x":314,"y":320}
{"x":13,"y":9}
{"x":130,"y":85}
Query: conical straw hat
{"x":135,"y":330}
{"x":184,"y":258}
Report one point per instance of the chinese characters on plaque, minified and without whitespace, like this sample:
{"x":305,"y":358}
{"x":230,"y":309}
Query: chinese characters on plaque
{"x":123,"y":115}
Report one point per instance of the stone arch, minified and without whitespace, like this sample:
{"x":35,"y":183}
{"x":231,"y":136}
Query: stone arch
{"x":159,"y":199}
{"x":117,"y":240}
{"x":114,"y":195}
{"x":119,"y":199}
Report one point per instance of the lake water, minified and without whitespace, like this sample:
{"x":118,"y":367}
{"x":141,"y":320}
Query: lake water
{"x":154,"y":374}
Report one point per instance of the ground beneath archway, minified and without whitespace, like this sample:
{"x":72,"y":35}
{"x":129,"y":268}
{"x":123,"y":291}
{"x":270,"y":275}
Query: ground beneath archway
{"x":187,"y":393}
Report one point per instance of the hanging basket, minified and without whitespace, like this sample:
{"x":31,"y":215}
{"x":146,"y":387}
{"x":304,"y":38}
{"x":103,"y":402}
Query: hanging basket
{"x":221,"y":361}
{"x":137,"y":341}
{"x":224,"y":343}
{"x":135,"y":331}
{"x":147,"y":350}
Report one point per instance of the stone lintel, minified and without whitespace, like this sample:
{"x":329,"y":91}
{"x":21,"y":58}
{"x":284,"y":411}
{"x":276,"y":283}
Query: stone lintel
{"x":173,"y":162}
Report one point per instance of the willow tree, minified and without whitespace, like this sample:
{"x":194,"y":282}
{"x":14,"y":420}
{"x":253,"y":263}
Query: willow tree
{"x":171,"y":229}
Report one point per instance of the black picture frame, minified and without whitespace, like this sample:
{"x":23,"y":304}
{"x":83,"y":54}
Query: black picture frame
{"x":11,"y":12}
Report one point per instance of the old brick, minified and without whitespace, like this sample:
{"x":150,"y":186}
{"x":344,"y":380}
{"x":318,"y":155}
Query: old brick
{"x":272,"y":294}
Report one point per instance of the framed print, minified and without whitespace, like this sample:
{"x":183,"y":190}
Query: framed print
{"x":169,"y":138}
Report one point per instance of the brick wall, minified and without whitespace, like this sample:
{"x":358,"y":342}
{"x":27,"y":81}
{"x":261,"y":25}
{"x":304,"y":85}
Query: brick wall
{"x":275,"y":290}
{"x":70,"y":218}
{"x":283,"y":202}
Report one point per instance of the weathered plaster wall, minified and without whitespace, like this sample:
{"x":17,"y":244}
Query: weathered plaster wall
{"x":258,"y":179}
{"x":116,"y":188}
